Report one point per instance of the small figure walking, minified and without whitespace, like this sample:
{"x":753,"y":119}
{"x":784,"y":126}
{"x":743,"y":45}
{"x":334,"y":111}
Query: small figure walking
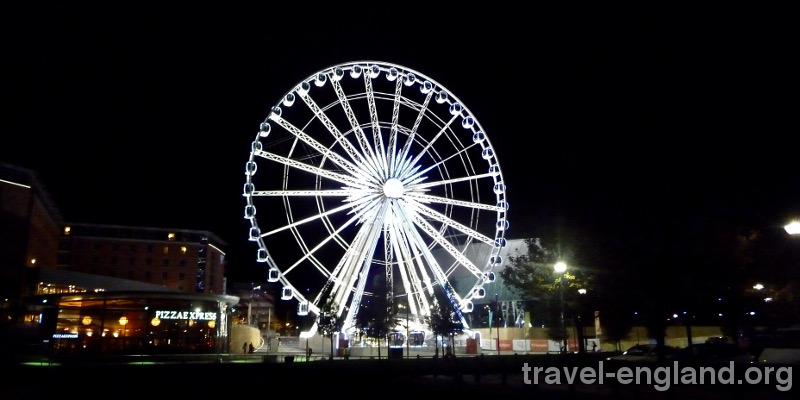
{"x":252,"y":349}
{"x":244,"y":348}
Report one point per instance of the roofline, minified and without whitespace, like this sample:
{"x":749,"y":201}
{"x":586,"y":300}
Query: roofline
{"x":55,"y":298}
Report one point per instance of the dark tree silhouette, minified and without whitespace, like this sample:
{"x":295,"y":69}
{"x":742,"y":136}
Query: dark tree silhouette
{"x":329,"y":323}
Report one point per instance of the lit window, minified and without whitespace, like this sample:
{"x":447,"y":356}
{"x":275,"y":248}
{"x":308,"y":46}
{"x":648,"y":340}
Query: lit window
{"x":67,"y":230}
{"x":183,"y":249}
{"x":170,"y":236}
{"x":166,"y":249}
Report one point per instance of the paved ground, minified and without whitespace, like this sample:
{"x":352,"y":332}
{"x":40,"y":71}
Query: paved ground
{"x":464,"y":378}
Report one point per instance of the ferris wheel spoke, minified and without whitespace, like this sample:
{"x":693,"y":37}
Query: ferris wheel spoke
{"x":304,"y":248}
{"x":347,"y":258}
{"x":411,"y":279}
{"x":430,"y":143}
{"x":346,"y":206}
{"x":398,"y":89}
{"x":377,"y":138}
{"x":340,"y":161}
{"x":413,"y":257}
{"x":322,"y":243}
{"x":433,"y":214}
{"x":404,"y":153}
{"x":360,"y":136}
{"x":442,"y":241}
{"x":415,"y":238}
{"x":450,"y":181}
{"x":424,"y":198}
{"x":404,"y":249}
{"x":314,"y":193}
{"x":355,"y":253}
{"x":403,"y":269}
{"x":388,"y":256}
{"x":418,"y":176}
{"x":348,"y":147}
{"x":347,"y":180}
{"x":361,"y":278}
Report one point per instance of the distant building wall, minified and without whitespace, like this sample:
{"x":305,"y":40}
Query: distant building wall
{"x":184,"y":260}
{"x":29,"y":231}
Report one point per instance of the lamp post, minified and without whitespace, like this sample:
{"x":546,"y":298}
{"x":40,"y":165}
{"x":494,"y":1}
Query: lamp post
{"x":250,"y":303}
{"x":581,"y":331}
{"x":408,"y":338}
{"x":560,"y":268}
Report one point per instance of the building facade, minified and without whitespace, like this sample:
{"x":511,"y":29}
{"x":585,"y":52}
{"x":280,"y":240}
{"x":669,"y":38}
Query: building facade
{"x":188,"y":261}
{"x":80,"y":289}
{"x":136,"y":322}
{"x":30,"y":226}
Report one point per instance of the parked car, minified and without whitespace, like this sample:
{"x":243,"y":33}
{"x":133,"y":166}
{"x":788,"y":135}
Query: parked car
{"x":719,"y":339}
{"x":711,"y":353}
{"x":645,"y":352}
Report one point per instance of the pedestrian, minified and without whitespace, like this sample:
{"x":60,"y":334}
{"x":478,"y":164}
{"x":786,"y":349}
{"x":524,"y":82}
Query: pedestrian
{"x":252,"y":349}
{"x":594,"y":346}
{"x":244,"y":348}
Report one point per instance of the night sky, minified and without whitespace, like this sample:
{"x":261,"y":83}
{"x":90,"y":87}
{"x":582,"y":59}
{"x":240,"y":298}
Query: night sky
{"x":601,"y":117}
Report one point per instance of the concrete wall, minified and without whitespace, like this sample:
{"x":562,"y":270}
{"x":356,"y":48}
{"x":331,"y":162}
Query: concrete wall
{"x":675,"y":335}
{"x":244,"y":334}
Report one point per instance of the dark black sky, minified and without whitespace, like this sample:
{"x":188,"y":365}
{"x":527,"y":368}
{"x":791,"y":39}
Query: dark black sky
{"x":142,"y":114}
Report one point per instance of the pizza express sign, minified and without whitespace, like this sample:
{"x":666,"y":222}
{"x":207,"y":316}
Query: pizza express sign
{"x":195,"y":315}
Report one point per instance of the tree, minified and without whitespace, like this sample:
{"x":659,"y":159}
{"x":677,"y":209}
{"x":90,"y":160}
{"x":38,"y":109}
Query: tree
{"x":443,"y":319}
{"x":534,"y":277}
{"x":329,"y":322}
{"x":375,"y":317}
{"x":381,"y":323}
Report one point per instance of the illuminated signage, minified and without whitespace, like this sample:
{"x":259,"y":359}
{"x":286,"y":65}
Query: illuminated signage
{"x":193,"y":315}
{"x":65,"y":336}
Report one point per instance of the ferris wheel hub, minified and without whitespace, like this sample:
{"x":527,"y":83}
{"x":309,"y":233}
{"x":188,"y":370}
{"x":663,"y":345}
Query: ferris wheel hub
{"x":393,"y":188}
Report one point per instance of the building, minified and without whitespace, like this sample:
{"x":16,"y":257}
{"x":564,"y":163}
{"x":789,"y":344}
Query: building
{"x":30,"y":230}
{"x":81,"y":289}
{"x":188,"y":261}
{"x":131,"y":322}
{"x":256,"y":306}
{"x":504,"y":302}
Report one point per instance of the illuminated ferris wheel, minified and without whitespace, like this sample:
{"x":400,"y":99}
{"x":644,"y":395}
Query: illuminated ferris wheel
{"x":370,"y":172}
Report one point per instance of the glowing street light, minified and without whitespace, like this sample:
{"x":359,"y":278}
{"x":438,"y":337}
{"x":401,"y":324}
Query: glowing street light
{"x":123,"y":321}
{"x":793,"y":228}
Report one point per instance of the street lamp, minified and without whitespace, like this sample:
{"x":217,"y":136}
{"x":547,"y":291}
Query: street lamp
{"x":581,"y":331}
{"x":560,"y":268}
{"x":793,"y":228}
{"x":250,"y":303}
